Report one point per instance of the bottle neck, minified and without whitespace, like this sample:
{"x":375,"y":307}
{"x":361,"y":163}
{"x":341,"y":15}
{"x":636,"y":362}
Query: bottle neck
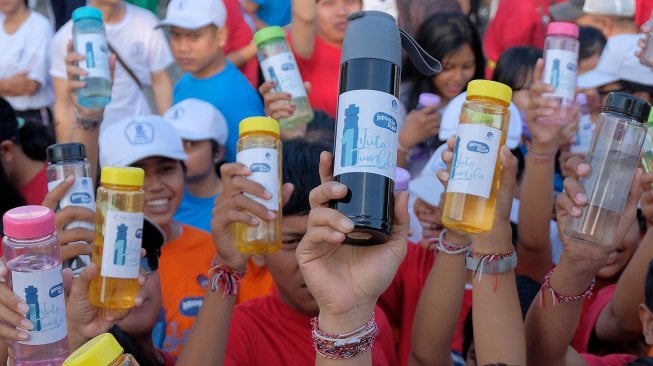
{"x":121,"y":187}
{"x":264,"y":133}
{"x":486,"y":98}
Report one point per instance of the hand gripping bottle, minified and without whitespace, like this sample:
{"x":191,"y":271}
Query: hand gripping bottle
{"x":647,"y":149}
{"x":476,"y":170}
{"x":614,"y":156}
{"x":118,"y":234}
{"x":561,"y":68}
{"x":90,"y":40}
{"x":367,"y":120}
{"x":103,"y":350}
{"x":278,"y":64}
{"x":65,"y":160}
{"x":31,"y":254}
{"x":259,"y":148}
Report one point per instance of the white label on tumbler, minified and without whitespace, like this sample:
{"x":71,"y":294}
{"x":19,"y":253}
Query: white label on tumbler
{"x":282,"y":69}
{"x":475,"y":156}
{"x":93,"y":46}
{"x":560,"y":68}
{"x":79,"y":194}
{"x":366,"y":133}
{"x":264,"y":165}
{"x":43,"y":293}
{"x":121,"y":253}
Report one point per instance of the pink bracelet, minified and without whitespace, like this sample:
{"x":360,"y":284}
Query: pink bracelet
{"x":344,"y":346}
{"x":442,"y":245}
{"x":558,"y":298}
{"x":226,"y":277}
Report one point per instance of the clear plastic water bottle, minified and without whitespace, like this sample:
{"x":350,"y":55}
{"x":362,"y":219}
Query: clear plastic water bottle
{"x":32,"y":256}
{"x":65,"y":160}
{"x":90,"y":40}
{"x":278,"y":64}
{"x":259,"y":148}
{"x":561,"y":69}
{"x":613,"y":156}
{"x":585,"y":127}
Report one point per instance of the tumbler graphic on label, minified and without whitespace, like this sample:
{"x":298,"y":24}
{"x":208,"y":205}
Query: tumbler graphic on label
{"x":121,"y":245}
{"x":32,"y":297}
{"x":350,"y":137}
{"x":90,"y":59}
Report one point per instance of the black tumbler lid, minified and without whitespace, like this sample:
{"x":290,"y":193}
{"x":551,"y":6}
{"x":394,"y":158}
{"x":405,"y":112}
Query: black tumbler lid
{"x":633,"y":107}
{"x":65,"y":152}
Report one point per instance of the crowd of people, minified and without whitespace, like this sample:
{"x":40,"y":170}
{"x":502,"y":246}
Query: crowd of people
{"x":555,"y":300}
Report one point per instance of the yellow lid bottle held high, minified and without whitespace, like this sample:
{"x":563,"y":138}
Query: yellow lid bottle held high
{"x":102,"y":350}
{"x":259,"y":148}
{"x":476,"y":170}
{"x":118,"y":231}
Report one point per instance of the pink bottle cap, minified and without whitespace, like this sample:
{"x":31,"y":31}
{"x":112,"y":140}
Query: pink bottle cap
{"x":562,"y":29}
{"x":28,"y":222}
{"x":402,"y":177}
{"x":427,"y":99}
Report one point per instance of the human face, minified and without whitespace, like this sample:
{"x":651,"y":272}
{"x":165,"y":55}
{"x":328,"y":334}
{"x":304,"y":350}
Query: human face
{"x":199,"y":51}
{"x":11,"y":6}
{"x":201,"y":160}
{"x":141,"y":319}
{"x":521,"y":97}
{"x":284,"y":268}
{"x":604,"y":90}
{"x":620,"y":257}
{"x":458,"y":68}
{"x":332,"y":18}
{"x":164,"y":187}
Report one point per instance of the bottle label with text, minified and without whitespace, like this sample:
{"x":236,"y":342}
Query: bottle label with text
{"x":264,"y":165}
{"x":94,"y":48}
{"x":43,"y":293}
{"x":282,"y":69}
{"x":366,"y":133}
{"x":79,"y":194}
{"x":475,"y":156}
{"x":560,"y":68}
{"x":121,"y":254}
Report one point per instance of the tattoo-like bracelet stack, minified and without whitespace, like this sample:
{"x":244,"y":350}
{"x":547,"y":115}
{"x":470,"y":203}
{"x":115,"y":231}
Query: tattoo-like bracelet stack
{"x":225,"y":277}
{"x":344,"y":346}
{"x":558,"y":298}
{"x":442,"y":245}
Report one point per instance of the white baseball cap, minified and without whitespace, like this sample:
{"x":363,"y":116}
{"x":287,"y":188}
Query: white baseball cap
{"x":451,"y":118}
{"x":619,"y":8}
{"x":138,"y":137}
{"x":426,"y":186}
{"x":195,"y":14}
{"x":197,"y":120}
{"x":617,"y":62}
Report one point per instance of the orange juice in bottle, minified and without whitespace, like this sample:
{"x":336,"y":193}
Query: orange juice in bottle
{"x":118,"y":231}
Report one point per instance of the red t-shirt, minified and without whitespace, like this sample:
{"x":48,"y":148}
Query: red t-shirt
{"x":35,"y":190}
{"x":399,"y":301}
{"x":591,"y":310}
{"x":643,"y":10}
{"x":609,"y":360}
{"x":266,"y":331}
{"x":322,"y":70}
{"x":239,"y":36}
{"x":516,"y":23}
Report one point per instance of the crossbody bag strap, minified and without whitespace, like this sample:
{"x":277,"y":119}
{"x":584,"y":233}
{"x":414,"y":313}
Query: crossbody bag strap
{"x":125,"y":66}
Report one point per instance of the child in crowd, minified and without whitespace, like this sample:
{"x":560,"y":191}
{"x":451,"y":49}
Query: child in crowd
{"x":197,"y":36}
{"x":25,"y":38}
{"x":138,"y":47}
{"x":452,"y":39}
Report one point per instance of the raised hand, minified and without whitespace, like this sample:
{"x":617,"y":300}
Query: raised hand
{"x":420,"y":125}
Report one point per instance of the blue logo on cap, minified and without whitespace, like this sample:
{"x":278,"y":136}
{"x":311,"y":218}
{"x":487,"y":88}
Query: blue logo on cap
{"x":138,"y":133}
{"x":177,"y":113}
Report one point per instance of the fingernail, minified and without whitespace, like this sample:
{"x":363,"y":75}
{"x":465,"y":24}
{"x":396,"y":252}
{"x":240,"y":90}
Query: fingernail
{"x":272,"y":215}
{"x":338,"y":188}
{"x":138,"y":301}
{"x":584,"y":167}
{"x":26,"y":324}
{"x":23,"y":336}
{"x":22,"y":307}
{"x":346,"y":224}
{"x":267,"y":194}
{"x":70,"y":178}
{"x":575,"y":211}
{"x":254,"y":221}
{"x":581,"y":197}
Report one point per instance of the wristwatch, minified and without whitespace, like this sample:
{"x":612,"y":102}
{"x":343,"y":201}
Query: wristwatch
{"x":491,"y":263}
{"x":87,"y":124}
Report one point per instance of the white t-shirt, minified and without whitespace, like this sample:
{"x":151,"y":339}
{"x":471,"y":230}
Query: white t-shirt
{"x":28,"y":49}
{"x":142,"y":47}
{"x":386,"y":6}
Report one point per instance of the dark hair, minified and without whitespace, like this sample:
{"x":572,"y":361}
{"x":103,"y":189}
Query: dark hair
{"x":321,"y":128}
{"x":642,"y":361}
{"x":130,"y":346}
{"x":592,"y":41}
{"x":33,"y":139}
{"x":440,"y":35}
{"x":8,"y":121}
{"x":10,"y":197}
{"x":301,"y":160}
{"x":214,"y":149}
{"x":515,"y":66}
{"x":648,"y":286}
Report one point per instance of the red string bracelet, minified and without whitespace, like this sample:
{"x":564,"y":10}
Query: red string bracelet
{"x":344,"y":346}
{"x":558,"y":298}
{"x":226,"y":277}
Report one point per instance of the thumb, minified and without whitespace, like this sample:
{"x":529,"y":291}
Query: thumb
{"x":52,"y":198}
{"x":79,"y":290}
{"x":508,"y":181}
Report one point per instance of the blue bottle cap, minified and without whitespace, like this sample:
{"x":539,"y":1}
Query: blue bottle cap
{"x":86,"y":12}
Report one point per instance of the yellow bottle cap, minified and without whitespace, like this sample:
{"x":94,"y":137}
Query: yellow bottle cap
{"x":262,"y":124}
{"x":122,"y":176}
{"x":489,"y":88}
{"x":99,"y":351}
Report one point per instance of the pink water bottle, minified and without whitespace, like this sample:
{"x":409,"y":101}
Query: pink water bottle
{"x":32,"y":256}
{"x":561,"y":69}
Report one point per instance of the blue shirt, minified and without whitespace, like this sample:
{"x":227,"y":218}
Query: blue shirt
{"x":229,"y":92}
{"x":274,"y":12}
{"x":195,"y":211}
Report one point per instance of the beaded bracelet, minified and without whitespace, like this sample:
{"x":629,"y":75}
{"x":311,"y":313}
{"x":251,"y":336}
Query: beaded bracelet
{"x":558,"y":298}
{"x":341,"y":347}
{"x":442,"y":245}
{"x":226,"y":277}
